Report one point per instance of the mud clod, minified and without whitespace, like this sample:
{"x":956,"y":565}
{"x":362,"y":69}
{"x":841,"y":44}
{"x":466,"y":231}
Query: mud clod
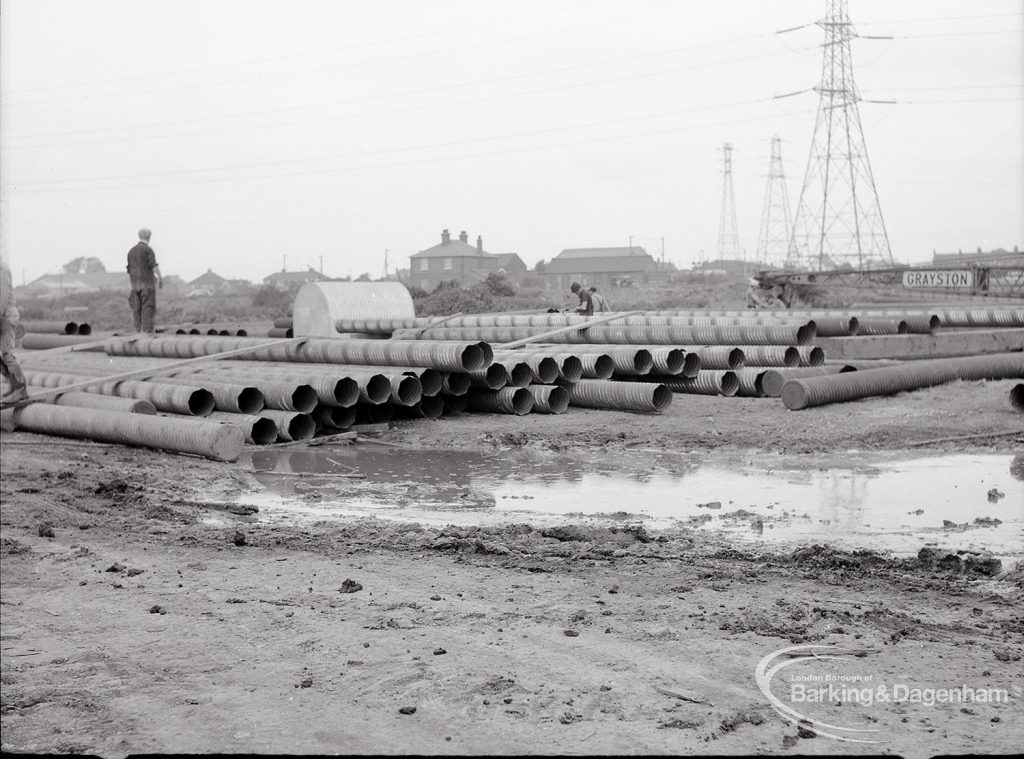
{"x":239,"y":538}
{"x":46,"y":530}
{"x":407,"y":710}
{"x":350,"y":586}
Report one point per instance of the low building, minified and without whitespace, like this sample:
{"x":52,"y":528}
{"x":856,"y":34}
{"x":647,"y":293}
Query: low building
{"x":59,"y":285}
{"x":601,"y":268}
{"x":285,"y":280}
{"x":997,"y":257}
{"x":458,"y":261}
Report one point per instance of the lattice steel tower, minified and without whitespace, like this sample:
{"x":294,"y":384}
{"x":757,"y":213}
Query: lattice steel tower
{"x":838,"y":218}
{"x":728,"y":237}
{"x":776,"y":220}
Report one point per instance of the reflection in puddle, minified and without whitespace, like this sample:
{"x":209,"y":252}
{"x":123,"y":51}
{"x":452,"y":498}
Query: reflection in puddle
{"x":879,"y":502}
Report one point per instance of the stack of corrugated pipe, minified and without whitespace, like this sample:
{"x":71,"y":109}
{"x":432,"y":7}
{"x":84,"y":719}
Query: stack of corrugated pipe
{"x":56,"y":328}
{"x":686,"y":354}
{"x":283,"y":327}
{"x":213,"y":329}
{"x":286,"y":392}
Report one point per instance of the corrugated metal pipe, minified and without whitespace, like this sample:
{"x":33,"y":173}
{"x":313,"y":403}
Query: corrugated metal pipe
{"x":446,"y":356}
{"x":43,"y":342}
{"x":280,"y":332}
{"x":508,"y":400}
{"x":431,"y":407}
{"x":519,"y":372}
{"x":769,"y":355}
{"x":605,"y":334}
{"x":624,"y":396}
{"x":367,"y":413}
{"x":176,"y":399}
{"x":278,"y":392}
{"x":291,"y":425}
{"x":456,"y":403}
{"x":494,"y":377}
{"x":283,"y":322}
{"x":212,"y":440}
{"x":455,"y":383}
{"x":232,"y":397}
{"x":627,"y":360}
{"x":839,"y":388}
{"x":811,"y":355}
{"x":707,"y":382}
{"x":774,"y":379}
{"x":258,"y":430}
{"x":750,"y":382}
{"x":544,"y":366}
{"x":882,"y":325}
{"x":549,"y":399}
{"x":720,"y":357}
{"x":334,"y":417}
{"x":1017,"y":397}
{"x":94,"y":401}
{"x":50,"y":327}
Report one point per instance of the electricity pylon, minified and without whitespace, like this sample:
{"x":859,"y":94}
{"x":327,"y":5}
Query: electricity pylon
{"x":776,"y":220}
{"x":838,"y":218}
{"x":728,"y":237}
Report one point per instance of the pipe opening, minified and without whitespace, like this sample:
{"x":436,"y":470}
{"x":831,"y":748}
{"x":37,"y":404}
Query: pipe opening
{"x":431,"y":382}
{"x":431,"y":407}
{"x":250,"y":401}
{"x":643,"y":361}
{"x":854,"y":326}
{"x":457,"y":403}
{"x":815,"y":356}
{"x":200,"y":402}
{"x":691,"y":365}
{"x":301,"y":426}
{"x":804,"y":335}
{"x":338,"y":417}
{"x":84,"y":329}
{"x":545,"y":370}
{"x":346,"y":392}
{"x":377,"y":389}
{"x":519,"y":373}
{"x":571,"y":369}
{"x":603,"y":366}
{"x":662,"y":396}
{"x":472,"y":358}
{"x":304,"y":398}
{"x":736,"y":359}
{"x":406,"y":390}
{"x":1017,"y":397}
{"x":729,"y":384}
{"x":457,"y":383}
{"x":520,"y":400}
{"x":263,"y":431}
{"x":495,"y":376}
{"x":902,"y":328}
{"x":673,"y":361}
{"x":791,"y":356}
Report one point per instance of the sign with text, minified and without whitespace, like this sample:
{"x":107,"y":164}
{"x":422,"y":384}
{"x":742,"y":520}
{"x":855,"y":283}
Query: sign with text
{"x":959,"y":278}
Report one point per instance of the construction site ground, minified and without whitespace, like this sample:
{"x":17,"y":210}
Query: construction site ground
{"x":139,"y":616}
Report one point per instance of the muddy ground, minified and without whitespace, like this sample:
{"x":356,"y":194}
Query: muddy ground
{"x":140,"y":616}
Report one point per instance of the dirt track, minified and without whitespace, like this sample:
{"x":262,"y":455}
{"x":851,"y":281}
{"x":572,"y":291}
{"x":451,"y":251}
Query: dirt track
{"x":139,"y":626}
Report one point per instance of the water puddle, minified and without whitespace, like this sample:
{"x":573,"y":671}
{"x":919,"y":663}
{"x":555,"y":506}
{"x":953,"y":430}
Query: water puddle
{"x":896,"y":502}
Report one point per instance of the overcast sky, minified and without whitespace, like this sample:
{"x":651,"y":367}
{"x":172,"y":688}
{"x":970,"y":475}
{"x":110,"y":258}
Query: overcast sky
{"x":250,"y":133}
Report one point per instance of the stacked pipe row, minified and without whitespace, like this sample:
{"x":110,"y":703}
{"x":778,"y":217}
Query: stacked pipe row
{"x":56,"y":327}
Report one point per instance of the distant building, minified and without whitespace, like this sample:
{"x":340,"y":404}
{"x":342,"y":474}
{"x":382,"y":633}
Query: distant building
{"x":283,"y":280}
{"x":59,"y":285}
{"x":458,"y":261}
{"x":211,"y":283}
{"x":602,"y":267}
{"x":728,"y":267}
{"x":997,"y":257}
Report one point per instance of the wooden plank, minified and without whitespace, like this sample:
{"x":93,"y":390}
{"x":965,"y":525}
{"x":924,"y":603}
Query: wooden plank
{"x":143,"y":374}
{"x":561,"y":330}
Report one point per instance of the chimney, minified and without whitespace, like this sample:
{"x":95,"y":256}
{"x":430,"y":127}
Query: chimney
{"x":479,"y":244}
{"x":445,"y":237}
{"x":463,"y":237}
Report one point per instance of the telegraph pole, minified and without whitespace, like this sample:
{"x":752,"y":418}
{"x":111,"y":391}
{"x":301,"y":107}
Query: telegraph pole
{"x":838,"y":218}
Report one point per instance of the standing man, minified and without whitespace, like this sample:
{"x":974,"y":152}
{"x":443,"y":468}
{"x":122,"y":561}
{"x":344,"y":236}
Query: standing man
{"x":145,"y":278}
{"x":586,"y":306}
{"x":599,"y":301}
{"x":9,"y":366}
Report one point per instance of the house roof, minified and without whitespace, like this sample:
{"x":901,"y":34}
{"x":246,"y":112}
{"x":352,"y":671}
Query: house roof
{"x":209,"y":278}
{"x":601,"y":264}
{"x":101,"y":280}
{"x":451,"y":249}
{"x":310,"y":274}
{"x":636,"y":250}
{"x":507,"y":260}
